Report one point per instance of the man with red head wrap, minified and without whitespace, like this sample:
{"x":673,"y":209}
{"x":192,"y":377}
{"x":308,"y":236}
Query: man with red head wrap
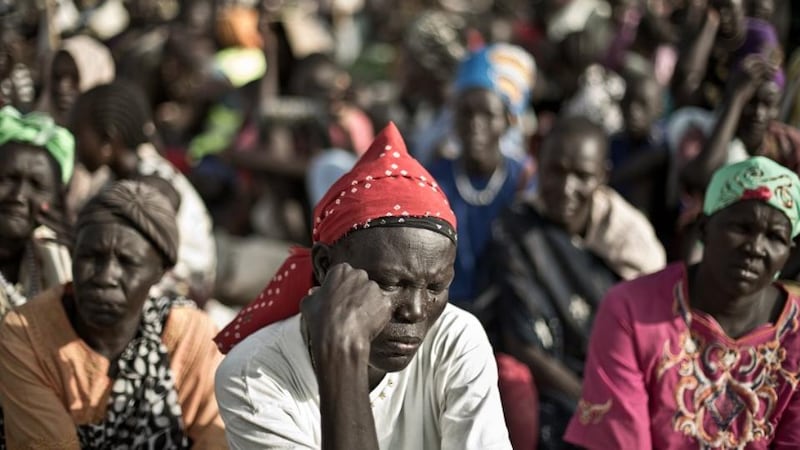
{"x":353,"y":344}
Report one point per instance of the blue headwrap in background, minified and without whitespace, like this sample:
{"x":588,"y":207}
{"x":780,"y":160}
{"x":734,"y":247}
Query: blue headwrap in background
{"x":505,"y":69}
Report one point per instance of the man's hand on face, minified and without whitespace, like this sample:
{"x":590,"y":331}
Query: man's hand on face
{"x":345,"y":314}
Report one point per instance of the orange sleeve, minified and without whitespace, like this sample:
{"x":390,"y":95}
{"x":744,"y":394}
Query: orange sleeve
{"x":194,"y":362}
{"x":34,"y":414}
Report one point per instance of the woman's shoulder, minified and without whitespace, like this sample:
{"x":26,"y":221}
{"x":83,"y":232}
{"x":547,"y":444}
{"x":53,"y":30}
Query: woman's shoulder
{"x":188,"y":336}
{"x":41,"y":311}
{"x":648,"y":294}
{"x":40,"y":323}
{"x":187,"y":323}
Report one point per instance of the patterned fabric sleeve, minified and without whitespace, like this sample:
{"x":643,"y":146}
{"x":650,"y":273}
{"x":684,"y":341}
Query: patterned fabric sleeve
{"x":613,"y":410}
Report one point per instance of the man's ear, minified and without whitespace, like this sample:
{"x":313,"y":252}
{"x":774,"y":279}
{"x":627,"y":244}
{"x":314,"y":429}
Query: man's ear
{"x":321,"y":260}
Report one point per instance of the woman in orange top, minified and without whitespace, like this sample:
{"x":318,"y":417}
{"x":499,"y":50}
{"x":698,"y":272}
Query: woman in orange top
{"x":109,"y":362}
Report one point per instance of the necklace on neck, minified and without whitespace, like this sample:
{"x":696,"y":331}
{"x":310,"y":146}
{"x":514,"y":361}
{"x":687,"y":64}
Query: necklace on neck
{"x":19,"y":294}
{"x":484,"y":196}
{"x":15,"y":298}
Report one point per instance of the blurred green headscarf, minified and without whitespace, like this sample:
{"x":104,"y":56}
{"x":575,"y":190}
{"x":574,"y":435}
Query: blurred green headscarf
{"x":756,"y":178}
{"x":41,"y":131}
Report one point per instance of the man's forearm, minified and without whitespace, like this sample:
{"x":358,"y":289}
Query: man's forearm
{"x":346,"y":415}
{"x":691,"y":67}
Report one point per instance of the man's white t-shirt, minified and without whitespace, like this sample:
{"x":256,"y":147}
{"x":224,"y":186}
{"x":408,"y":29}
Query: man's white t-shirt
{"x":446,"y":398}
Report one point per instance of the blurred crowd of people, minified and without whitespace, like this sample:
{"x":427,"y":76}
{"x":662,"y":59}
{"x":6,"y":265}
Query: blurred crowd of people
{"x":575,"y":141}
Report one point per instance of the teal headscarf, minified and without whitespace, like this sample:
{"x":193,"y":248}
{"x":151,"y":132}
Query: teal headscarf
{"x":39,"y":130}
{"x":756,"y":178}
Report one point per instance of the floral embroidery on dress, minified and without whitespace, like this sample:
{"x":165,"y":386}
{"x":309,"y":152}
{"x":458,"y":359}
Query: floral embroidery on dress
{"x":726,"y":396}
{"x":592,"y":412}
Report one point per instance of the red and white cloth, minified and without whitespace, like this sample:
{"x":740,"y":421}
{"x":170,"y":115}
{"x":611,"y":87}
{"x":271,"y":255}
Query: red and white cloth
{"x":386,"y":182}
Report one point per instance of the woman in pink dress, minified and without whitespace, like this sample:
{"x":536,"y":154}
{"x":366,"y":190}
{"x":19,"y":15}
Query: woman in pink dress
{"x":706,"y":356}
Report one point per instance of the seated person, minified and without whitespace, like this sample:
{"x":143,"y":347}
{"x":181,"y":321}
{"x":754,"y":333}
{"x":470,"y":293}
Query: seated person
{"x":492,"y":89}
{"x":747,"y":117}
{"x":639,"y":158}
{"x":746,"y":124}
{"x":433,"y":46}
{"x":705,"y":356}
{"x":353,"y":344}
{"x":80,"y":64}
{"x":103,"y":362}
{"x":113,"y":128}
{"x":555,"y":255}
{"x":713,"y":33}
{"x":36,"y":162}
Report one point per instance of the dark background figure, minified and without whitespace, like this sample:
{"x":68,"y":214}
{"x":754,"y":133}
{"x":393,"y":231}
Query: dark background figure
{"x":554,"y":258}
{"x":639,"y":156}
{"x":492,"y":88}
{"x":36,"y":161}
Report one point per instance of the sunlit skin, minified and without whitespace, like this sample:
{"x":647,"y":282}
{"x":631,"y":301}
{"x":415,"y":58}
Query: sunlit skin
{"x":29,"y":180}
{"x":408,"y":272}
{"x":381,"y":290}
{"x":745,"y":246}
{"x":113,"y":268}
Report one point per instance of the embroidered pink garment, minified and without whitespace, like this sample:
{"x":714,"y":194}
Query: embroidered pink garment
{"x":662,"y":376}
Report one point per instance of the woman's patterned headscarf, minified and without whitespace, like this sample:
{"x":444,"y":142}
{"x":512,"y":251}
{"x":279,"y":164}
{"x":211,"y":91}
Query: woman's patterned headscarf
{"x":505,"y":69}
{"x":142,"y":206}
{"x":41,"y":131}
{"x":756,"y":178}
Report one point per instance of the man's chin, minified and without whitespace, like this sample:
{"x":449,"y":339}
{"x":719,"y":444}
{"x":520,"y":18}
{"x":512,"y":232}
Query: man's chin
{"x":391,"y":363}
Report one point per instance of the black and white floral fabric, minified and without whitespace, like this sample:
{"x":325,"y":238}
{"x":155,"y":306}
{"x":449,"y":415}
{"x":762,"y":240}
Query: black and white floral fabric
{"x":143,"y":409}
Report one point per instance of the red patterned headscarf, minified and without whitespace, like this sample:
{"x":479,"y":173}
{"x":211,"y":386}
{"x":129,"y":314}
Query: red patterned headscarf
{"x":386,"y":187}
